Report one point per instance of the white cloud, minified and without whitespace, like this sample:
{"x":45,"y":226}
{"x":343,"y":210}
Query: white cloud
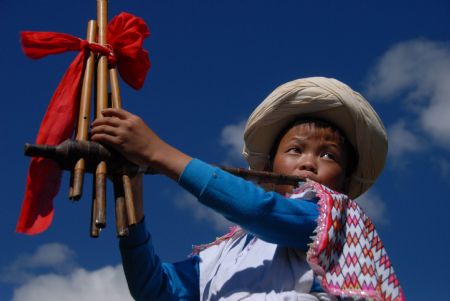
{"x":402,"y":140}
{"x":62,"y":279}
{"x":374,"y":207}
{"x":419,"y":72}
{"x":232,"y":138}
{"x":201,"y":213}
{"x":54,"y":256}
{"x":105,"y":284}
{"x":51,"y":255}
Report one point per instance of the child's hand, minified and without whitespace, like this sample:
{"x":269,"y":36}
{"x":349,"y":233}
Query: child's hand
{"x":129,"y":135}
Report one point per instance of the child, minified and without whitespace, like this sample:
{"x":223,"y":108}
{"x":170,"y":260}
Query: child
{"x":316,"y":128}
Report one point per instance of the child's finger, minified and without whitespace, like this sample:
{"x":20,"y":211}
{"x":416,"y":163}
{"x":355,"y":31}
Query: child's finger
{"x":119,"y":113}
{"x":105,"y":129}
{"x":111,"y":121}
{"x":105,"y":138}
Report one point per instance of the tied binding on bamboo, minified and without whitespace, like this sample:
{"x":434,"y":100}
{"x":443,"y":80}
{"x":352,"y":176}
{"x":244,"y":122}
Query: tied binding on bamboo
{"x":125,"y":35}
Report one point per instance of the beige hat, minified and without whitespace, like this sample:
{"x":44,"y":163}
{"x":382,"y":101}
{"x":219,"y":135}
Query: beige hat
{"x":327,"y":99}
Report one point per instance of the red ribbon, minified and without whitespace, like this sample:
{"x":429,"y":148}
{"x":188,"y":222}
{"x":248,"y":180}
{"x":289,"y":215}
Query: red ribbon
{"x":126,"y":34}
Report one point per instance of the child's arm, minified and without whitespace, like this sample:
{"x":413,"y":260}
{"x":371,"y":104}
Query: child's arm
{"x":267,"y":214}
{"x":150,"y":279}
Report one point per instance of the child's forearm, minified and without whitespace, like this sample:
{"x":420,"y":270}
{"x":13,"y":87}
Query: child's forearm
{"x":169,"y":161}
{"x":268,"y":215}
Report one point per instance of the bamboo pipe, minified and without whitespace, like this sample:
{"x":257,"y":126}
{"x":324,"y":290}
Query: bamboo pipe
{"x":125,"y":180}
{"x":119,"y":196}
{"x":124,"y":195}
{"x":94,"y":231}
{"x":76,"y":185}
{"x":121,"y":192}
{"x":102,"y":103}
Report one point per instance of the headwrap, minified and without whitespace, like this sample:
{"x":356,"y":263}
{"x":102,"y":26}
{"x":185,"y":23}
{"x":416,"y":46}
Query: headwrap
{"x":329,"y":100}
{"x":125,"y":36}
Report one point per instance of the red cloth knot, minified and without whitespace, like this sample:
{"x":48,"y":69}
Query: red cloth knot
{"x":106,"y":50}
{"x":84,"y":44}
{"x":125,"y":37}
{"x":112,"y":59}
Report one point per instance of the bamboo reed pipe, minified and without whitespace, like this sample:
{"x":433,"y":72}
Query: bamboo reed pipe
{"x":129,"y":200}
{"x":119,"y":195}
{"x":102,"y":103}
{"x":125,"y":180}
{"x":76,"y":185}
{"x":94,"y":231}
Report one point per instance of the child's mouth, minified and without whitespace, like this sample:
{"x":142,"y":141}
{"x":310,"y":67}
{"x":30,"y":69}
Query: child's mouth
{"x":306,"y":175}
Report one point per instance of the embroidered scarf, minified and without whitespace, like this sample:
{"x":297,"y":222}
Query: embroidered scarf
{"x":347,"y":252}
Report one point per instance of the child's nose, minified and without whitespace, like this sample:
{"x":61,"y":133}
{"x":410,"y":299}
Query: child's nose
{"x":308,"y":163}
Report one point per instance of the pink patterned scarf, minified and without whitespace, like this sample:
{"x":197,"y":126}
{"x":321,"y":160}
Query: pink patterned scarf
{"x":347,"y":252}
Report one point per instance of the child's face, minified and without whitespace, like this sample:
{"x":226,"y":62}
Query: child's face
{"x":314,"y":153}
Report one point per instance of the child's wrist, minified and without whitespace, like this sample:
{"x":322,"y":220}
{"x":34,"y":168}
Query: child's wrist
{"x":168,"y":161}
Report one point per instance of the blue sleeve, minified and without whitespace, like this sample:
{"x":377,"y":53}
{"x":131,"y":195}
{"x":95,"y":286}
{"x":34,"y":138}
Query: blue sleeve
{"x":268,"y":215}
{"x":150,"y":279}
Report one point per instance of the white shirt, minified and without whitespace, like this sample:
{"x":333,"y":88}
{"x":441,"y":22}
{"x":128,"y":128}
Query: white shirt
{"x":247,"y":268}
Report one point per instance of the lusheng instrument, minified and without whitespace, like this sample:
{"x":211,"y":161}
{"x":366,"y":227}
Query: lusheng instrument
{"x":97,"y":59}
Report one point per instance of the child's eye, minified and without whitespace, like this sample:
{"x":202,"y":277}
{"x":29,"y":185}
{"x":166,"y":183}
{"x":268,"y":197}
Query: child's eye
{"x":294,"y":150}
{"x":330,"y":156}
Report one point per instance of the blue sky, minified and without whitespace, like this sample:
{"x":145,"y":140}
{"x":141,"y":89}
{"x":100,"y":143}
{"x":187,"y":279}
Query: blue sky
{"x":212,"y":63}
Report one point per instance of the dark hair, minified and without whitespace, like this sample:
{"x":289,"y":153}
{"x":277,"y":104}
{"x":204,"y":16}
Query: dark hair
{"x":321,"y":124}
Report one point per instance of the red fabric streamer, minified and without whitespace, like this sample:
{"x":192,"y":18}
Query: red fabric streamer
{"x":125,"y":35}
